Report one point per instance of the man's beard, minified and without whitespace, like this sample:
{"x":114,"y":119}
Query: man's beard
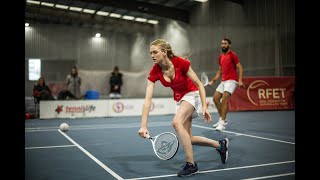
{"x":225,"y":49}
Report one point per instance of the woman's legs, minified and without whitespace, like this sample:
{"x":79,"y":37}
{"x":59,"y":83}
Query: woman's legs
{"x":182,"y":116}
{"x":182,"y":123}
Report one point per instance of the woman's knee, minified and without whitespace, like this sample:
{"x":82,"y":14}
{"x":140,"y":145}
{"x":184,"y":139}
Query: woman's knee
{"x":176,"y":123}
{"x":192,"y":139}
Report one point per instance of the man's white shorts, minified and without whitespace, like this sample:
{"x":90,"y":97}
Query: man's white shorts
{"x":194,"y":99}
{"x":229,"y":86}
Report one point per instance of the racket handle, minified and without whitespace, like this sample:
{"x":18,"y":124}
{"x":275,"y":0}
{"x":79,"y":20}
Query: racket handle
{"x":148,"y":136}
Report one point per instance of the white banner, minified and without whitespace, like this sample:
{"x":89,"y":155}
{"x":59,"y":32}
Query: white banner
{"x":108,"y":108}
{"x":133,"y":107}
{"x":73,"y":109}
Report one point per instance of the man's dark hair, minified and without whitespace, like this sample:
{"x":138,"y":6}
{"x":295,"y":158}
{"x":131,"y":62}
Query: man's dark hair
{"x":226,"y":39}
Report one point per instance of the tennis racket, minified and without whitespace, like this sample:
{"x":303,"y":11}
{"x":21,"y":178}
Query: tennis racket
{"x":204,"y":79}
{"x":165,"y":145}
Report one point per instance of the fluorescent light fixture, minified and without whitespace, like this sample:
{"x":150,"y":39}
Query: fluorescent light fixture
{"x":98,"y":35}
{"x":141,"y":19}
{"x":128,"y":17}
{"x":47,"y":4}
{"x":114,"y":15}
{"x":61,"y":6}
{"x":26,"y":24}
{"x":33,"y":2}
{"x":90,"y":11}
{"x":153,"y":21}
{"x":75,"y":8}
{"x":102,"y":13}
{"x":201,"y":0}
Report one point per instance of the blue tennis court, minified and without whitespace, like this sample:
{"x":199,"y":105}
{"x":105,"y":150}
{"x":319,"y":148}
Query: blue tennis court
{"x":262,"y":146}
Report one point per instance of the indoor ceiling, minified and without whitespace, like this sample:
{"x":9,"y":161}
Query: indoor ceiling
{"x":140,"y":15}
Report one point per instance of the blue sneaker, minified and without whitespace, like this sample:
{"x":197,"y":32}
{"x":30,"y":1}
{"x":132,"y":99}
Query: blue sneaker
{"x":223,"y":151}
{"x":188,"y":169}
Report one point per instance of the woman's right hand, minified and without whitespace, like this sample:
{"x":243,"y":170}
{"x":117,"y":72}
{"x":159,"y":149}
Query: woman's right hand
{"x":143,"y":132}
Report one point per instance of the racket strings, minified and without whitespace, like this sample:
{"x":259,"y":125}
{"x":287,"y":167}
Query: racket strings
{"x":166,"y":146}
{"x":204,"y":79}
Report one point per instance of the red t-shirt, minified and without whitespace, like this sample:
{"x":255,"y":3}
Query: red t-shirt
{"x":228,"y":65}
{"x":181,"y":83}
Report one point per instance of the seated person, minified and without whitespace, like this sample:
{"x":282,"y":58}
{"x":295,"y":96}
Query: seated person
{"x":41,"y":91}
{"x":115,"y":82}
{"x":66,"y":95}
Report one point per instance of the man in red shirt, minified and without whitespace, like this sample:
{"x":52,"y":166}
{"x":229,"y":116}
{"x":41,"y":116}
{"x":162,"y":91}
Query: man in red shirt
{"x":228,"y":65}
{"x":189,"y":93}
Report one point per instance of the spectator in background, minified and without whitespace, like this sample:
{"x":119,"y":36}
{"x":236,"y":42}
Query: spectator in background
{"x":65,"y":94}
{"x":41,"y":91}
{"x":73,"y":82}
{"x":115,"y":83}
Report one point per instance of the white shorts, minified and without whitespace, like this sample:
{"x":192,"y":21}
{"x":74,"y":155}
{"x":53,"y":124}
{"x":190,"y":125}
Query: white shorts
{"x":229,"y":86}
{"x":194,"y":99}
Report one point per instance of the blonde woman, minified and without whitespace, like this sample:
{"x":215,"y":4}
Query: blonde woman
{"x":175,"y":72}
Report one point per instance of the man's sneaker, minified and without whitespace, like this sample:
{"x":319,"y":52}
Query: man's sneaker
{"x":220,"y":127}
{"x":188,"y":169}
{"x":220,"y":122}
{"x":223,"y":150}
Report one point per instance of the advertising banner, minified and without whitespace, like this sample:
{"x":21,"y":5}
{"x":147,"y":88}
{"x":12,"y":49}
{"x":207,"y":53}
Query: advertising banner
{"x":264,"y":93}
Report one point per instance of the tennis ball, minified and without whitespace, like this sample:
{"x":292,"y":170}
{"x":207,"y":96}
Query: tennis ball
{"x":64,"y":127}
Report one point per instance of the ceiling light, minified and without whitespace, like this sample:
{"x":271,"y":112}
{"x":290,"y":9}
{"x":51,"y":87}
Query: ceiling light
{"x":141,"y":19}
{"x":128,"y":17}
{"x":153,"y":21}
{"x":201,"y":0}
{"x":61,"y":6}
{"x":114,"y":15}
{"x":90,"y":11}
{"x":33,"y":2}
{"x":26,"y":24}
{"x":102,"y":13}
{"x":75,"y":8}
{"x":98,"y":35}
{"x":47,"y":4}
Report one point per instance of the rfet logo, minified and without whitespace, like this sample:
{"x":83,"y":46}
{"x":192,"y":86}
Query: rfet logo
{"x":118,"y":107}
{"x":264,"y":94}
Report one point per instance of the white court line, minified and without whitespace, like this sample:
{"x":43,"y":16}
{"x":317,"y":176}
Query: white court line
{"x":242,"y":134}
{"x":92,"y":157}
{"x":272,"y":176}
{"x":43,"y":147}
{"x":151,"y":125}
{"x":217,"y":170}
{"x":81,"y":127}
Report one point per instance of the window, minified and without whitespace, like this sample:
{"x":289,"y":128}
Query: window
{"x":34,"y":69}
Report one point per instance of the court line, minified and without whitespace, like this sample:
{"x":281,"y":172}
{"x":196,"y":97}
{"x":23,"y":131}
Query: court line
{"x":80,"y":127}
{"x":272,"y":176}
{"x":133,"y":125}
{"x":43,"y":147}
{"x":92,"y":157}
{"x":242,"y":134}
{"x":217,"y":170}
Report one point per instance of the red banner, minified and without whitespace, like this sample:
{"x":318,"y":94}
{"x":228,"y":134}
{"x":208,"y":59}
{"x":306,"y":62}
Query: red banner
{"x":264,"y":93}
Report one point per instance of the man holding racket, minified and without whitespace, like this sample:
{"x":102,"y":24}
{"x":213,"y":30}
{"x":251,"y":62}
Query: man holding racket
{"x":189,"y":93}
{"x":228,"y":65}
